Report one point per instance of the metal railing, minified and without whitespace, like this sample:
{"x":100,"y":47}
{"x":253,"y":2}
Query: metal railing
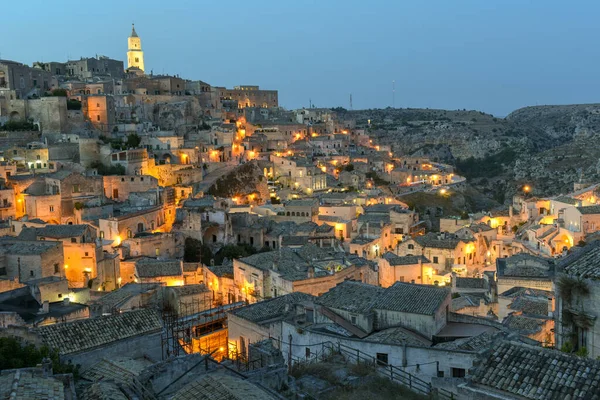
{"x":394,"y":373}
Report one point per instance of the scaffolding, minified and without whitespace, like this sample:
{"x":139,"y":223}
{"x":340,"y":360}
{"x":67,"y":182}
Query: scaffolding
{"x":195,"y":326}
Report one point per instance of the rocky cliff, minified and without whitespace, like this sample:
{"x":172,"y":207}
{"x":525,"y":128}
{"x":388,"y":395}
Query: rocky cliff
{"x":547,"y":147}
{"x":247,"y":179}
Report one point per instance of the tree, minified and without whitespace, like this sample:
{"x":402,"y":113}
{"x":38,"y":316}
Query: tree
{"x":59,"y":92}
{"x":196,"y":251}
{"x":73,"y":104}
{"x":133,"y":141}
{"x":13,"y":354}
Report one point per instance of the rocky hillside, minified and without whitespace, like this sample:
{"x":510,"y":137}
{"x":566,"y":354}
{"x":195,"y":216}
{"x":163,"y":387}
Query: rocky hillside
{"x":547,"y":147}
{"x":247,"y":179}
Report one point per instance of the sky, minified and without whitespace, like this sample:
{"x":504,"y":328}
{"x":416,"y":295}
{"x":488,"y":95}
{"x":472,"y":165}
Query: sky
{"x":489,"y":55}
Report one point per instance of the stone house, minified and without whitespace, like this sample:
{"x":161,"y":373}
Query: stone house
{"x":167,"y":272}
{"x":80,"y":250}
{"x":260,"y":321}
{"x":188,"y":299}
{"x":118,"y":228}
{"x":29,"y":260}
{"x":309,"y":269}
{"x":578,"y":296}
{"x":535,"y":373}
{"x":85,"y":342}
{"x":415,"y":269}
{"x":118,"y":187}
{"x":526,"y":271}
{"x":445,"y":251}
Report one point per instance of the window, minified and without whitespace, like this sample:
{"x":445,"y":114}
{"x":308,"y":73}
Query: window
{"x":307,"y":352}
{"x":214,"y":238}
{"x":411,"y":246}
{"x":75,"y":188}
{"x":157,"y":252}
{"x":382,"y":359}
{"x":97,"y":117}
{"x":51,"y":208}
{"x":101,"y":234}
{"x":458,"y":372}
{"x":87,"y":254}
{"x":73,"y":240}
{"x":31,"y":273}
{"x":56,"y":269}
{"x":435,"y":260}
{"x":38,"y":157}
{"x":129,"y":235}
{"x":353,"y":319}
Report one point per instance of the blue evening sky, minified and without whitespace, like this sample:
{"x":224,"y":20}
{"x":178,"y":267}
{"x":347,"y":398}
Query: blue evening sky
{"x":490,"y":55}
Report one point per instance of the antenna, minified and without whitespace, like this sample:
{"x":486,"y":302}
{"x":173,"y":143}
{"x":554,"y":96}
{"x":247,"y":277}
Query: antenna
{"x":350,"y":101}
{"x":393,"y":94}
{"x":309,"y":103}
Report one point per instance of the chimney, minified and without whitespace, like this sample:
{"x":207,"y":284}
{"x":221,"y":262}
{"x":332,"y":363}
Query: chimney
{"x":510,"y":211}
{"x":66,"y":301}
{"x":45,"y":307}
{"x":311,"y":272}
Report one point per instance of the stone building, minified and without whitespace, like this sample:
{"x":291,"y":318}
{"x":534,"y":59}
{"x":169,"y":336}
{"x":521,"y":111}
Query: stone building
{"x":80,"y":250}
{"x":118,"y":188}
{"x":415,"y":269}
{"x":578,"y":296}
{"x":85,"y":342}
{"x":24,"y":80}
{"x":246,"y":96}
{"x":100,"y":111}
{"x":29,"y":260}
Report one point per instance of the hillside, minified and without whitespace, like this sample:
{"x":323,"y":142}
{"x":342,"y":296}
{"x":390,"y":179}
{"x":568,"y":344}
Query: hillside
{"x":544,"y":146}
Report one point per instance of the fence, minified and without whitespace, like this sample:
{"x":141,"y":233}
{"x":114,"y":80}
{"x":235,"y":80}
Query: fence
{"x":396,"y":374}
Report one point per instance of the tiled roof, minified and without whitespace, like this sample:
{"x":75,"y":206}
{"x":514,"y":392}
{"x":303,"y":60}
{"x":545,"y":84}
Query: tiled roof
{"x":394,"y":260}
{"x":149,"y":268}
{"x":536,"y":373}
{"x":433,"y":240}
{"x":584,"y":263}
{"x":61,"y":231}
{"x":411,"y":298}
{"x":398,"y":336}
{"x":474,"y":343}
{"x":29,"y":248}
{"x":525,"y":265}
{"x":530,"y":305}
{"x":523,"y":324}
{"x":73,"y":337}
{"x":222,"y":270}
{"x":463,"y":302}
{"x":189,"y":290}
{"x":567,"y":200}
{"x":103,"y":391}
{"x":22,"y":384}
{"x":470,"y":283}
{"x":519,"y":291}
{"x":351,"y":296}
{"x":272,"y":308}
{"x":221,"y":386}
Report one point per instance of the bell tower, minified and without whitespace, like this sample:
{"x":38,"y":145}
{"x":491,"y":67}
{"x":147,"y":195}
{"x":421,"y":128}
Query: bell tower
{"x":135,"y":55}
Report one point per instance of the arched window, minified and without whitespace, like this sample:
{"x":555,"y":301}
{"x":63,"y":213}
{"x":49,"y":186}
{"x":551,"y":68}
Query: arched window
{"x":129,"y":234}
{"x":140,"y":227}
{"x":411,"y":246}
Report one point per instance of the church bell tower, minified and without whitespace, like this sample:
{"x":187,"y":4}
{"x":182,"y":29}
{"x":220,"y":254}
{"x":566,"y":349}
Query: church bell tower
{"x":135,"y":55}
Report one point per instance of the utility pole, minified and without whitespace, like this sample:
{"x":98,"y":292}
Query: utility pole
{"x":393,"y":94}
{"x":350,"y":101}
